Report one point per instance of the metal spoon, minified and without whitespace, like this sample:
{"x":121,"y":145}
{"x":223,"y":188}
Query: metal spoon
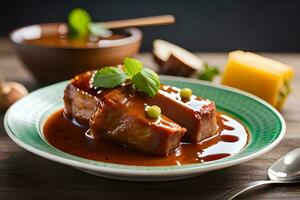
{"x":284,"y":170}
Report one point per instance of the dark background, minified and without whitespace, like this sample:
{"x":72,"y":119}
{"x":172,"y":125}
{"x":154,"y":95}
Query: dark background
{"x":203,"y":25}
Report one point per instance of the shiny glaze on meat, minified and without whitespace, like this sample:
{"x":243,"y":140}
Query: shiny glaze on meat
{"x":83,"y":82}
{"x":60,"y":132}
{"x":194,"y":103}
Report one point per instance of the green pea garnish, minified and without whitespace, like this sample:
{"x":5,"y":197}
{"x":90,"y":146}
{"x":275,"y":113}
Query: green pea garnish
{"x":153,"y":111}
{"x":186,"y":93}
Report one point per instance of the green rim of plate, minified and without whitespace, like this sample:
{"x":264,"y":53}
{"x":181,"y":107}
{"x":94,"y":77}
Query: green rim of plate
{"x":24,"y":120}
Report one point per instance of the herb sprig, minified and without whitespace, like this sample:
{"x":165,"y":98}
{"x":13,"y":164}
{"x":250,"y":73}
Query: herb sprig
{"x":81,"y":25}
{"x":208,"y":73}
{"x":143,"y":79}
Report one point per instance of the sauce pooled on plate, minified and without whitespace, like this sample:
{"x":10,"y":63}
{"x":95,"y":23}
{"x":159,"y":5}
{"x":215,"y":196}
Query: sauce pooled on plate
{"x":62,"y":133}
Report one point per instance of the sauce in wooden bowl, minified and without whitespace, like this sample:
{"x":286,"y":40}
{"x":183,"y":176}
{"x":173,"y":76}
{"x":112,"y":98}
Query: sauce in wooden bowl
{"x":65,"y":41}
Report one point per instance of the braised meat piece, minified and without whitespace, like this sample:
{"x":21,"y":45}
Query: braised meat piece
{"x":120,"y":117}
{"x":196,"y":114}
{"x":80,"y":98}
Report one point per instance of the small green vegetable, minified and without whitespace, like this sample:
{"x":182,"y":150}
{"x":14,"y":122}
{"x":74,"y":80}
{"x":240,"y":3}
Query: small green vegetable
{"x":153,"y":111}
{"x":143,"y":79}
{"x":79,"y":22}
{"x":109,"y":77}
{"x":186,"y":93}
{"x":208,"y":73}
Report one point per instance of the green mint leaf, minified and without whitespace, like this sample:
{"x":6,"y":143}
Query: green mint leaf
{"x":146,"y":81}
{"x":99,"y":31}
{"x":208,"y":73}
{"x":132,"y":66}
{"x":109,"y":77}
{"x":79,"y":22}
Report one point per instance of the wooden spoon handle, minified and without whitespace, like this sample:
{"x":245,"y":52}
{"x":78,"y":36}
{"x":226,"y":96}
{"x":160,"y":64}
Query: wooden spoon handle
{"x":143,"y":21}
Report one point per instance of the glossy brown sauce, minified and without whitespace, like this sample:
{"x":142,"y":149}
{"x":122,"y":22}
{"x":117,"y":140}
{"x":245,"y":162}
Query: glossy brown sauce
{"x":65,"y":41}
{"x":65,"y":135}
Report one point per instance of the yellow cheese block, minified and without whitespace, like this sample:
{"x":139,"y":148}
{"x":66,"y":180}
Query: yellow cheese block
{"x":263,"y":77}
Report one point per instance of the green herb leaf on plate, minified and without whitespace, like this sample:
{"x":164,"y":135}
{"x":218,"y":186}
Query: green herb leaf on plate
{"x":132,"y":66}
{"x":208,"y":73}
{"x":109,"y":77}
{"x":79,"y":22}
{"x":146,"y":81}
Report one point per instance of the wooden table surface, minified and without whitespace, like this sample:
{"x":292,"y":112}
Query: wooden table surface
{"x":24,"y":175}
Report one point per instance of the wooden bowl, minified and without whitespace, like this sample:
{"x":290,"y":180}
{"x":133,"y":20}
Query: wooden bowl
{"x":54,"y":63}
